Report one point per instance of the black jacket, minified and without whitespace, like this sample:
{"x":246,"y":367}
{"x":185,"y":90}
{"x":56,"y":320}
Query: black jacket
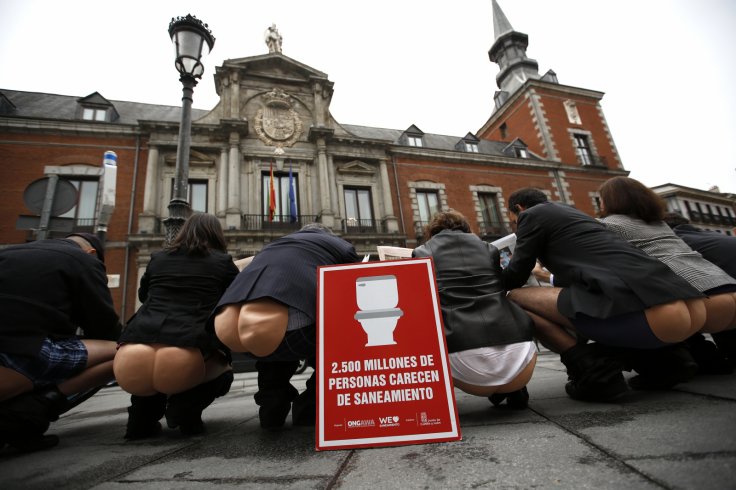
{"x":48,"y":288}
{"x":716,"y":247}
{"x":286,"y":270}
{"x":475,"y":310}
{"x":178,"y":292}
{"x":602,"y":275}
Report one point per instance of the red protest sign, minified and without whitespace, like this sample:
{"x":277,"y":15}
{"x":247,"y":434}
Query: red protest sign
{"x":383,"y":378}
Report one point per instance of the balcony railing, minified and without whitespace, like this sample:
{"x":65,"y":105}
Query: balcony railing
{"x":353,"y":225}
{"x":280,"y":222}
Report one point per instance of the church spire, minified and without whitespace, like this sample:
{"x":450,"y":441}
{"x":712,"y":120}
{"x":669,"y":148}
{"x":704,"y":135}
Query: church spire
{"x":501,"y":24}
{"x":509,"y":52}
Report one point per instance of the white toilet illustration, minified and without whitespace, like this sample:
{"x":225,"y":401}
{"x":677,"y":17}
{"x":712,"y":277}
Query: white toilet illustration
{"x":377,"y":297}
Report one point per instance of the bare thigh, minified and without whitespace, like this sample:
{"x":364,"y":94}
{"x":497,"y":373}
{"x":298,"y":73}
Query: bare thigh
{"x":257,"y":326}
{"x":520,"y":381}
{"x":12,"y":383}
{"x":99,"y":351}
{"x":676,"y":321}
{"x":720,"y":312}
{"x":541,"y":301}
{"x":146,"y":369}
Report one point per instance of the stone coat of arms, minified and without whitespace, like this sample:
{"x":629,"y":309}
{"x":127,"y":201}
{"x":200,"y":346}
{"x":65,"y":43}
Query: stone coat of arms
{"x":277,"y":124}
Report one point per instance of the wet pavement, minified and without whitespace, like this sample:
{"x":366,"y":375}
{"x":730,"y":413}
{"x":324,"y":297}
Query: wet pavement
{"x":683,"y":438}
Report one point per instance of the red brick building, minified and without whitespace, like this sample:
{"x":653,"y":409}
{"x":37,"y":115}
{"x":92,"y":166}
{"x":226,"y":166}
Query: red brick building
{"x":373,"y":186}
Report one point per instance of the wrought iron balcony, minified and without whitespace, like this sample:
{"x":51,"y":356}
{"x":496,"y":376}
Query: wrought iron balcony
{"x":280,"y":222}
{"x":353,"y":225}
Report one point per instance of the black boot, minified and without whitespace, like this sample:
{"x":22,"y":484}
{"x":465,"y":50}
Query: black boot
{"x":593,"y":374}
{"x":661,"y":369}
{"x":710,"y":359}
{"x":144,"y":414}
{"x":25,"y":418}
{"x":516,"y":400}
{"x":726,"y":342}
{"x":184,"y":410}
{"x":304,"y":407}
{"x":275,"y":392}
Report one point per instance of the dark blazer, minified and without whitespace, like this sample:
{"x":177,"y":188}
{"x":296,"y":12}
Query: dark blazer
{"x":475,"y":311}
{"x":178,"y":292}
{"x":48,"y":288}
{"x":286,"y":270}
{"x":715,"y":247}
{"x":602,"y":275}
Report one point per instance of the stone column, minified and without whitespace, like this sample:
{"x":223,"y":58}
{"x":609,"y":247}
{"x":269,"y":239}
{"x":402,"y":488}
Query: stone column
{"x":328,"y":217}
{"x":234,"y":96}
{"x":147,"y":221}
{"x":391,"y":224}
{"x":233,"y":212}
{"x":222,"y":164}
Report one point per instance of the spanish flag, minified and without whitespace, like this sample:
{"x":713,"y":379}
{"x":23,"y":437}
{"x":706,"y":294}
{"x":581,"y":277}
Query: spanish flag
{"x":271,"y":196}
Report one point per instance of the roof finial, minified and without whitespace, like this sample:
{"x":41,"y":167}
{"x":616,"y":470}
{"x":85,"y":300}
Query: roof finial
{"x":501,"y":24}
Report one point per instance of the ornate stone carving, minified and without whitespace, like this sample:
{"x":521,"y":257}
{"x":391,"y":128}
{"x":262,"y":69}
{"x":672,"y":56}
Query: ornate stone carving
{"x":277,"y":124}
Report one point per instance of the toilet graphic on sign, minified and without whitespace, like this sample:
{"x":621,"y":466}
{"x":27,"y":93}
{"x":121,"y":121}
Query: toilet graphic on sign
{"x":377,"y":298}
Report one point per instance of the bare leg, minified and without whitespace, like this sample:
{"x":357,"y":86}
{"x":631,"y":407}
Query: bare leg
{"x":520,"y":381}
{"x":12,"y":383}
{"x":257,"y":326}
{"x":720,"y":312}
{"x":550,"y":326}
{"x":674,"y":322}
{"x":100,"y":355}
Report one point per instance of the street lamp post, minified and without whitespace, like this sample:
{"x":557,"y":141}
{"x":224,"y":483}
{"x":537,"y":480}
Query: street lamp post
{"x":189,"y":36}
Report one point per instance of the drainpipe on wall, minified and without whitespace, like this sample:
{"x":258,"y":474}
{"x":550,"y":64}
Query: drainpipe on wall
{"x":556,"y":173}
{"x":130,"y":228}
{"x":398,"y":194}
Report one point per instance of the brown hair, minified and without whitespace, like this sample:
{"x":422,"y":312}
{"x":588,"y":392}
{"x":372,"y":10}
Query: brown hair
{"x":446,"y":220}
{"x":624,"y":195}
{"x":200,"y":233}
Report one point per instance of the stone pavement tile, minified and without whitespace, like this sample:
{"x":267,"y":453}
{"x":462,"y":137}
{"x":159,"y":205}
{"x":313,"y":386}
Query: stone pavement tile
{"x":526,"y":455}
{"x":713,"y":385}
{"x":244,"y":456}
{"x":653,"y":431}
{"x":704,"y":472}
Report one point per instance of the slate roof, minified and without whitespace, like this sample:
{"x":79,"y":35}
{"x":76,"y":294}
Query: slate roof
{"x":65,"y":107}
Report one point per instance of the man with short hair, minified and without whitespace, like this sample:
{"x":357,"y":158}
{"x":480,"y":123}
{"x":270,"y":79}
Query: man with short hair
{"x":48,"y":290}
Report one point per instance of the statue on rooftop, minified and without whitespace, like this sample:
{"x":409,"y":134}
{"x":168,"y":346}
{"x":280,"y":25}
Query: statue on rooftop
{"x":273,"y":39}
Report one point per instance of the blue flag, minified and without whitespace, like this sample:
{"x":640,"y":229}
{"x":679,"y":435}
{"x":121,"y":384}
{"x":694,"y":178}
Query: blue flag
{"x":292,"y":197}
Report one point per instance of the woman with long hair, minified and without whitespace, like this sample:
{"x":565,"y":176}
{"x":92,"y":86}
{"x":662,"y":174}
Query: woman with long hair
{"x":167,"y":360}
{"x":489,"y":339}
{"x":636,"y":213}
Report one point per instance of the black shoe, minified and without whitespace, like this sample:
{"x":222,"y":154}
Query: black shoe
{"x":516,"y":400}
{"x":726,"y":342}
{"x":142,"y":430}
{"x":30,"y":444}
{"x":594,"y":375}
{"x":710,"y":359}
{"x":661,"y":369}
{"x":304,"y":407}
{"x":275,"y":392}
{"x":144,"y":414}
{"x":184,"y":410}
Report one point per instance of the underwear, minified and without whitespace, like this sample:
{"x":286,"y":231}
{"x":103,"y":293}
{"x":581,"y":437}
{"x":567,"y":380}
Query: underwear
{"x":57,"y":361}
{"x":627,"y":330}
{"x":491,"y":366}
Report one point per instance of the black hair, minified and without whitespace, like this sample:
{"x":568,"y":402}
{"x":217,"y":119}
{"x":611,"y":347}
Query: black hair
{"x":527,"y":197}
